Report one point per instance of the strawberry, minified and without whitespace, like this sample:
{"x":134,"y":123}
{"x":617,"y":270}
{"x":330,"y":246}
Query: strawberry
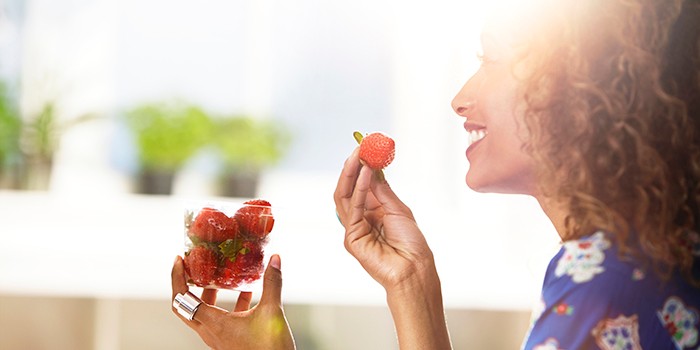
{"x":212,"y":225}
{"x":376,"y":149}
{"x":226,"y":278}
{"x":245,"y":267}
{"x":255,"y":218}
{"x":201,"y":265}
{"x":249,"y":262}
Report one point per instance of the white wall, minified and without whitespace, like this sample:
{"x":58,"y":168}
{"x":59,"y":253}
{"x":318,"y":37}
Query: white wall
{"x":325,"y":68}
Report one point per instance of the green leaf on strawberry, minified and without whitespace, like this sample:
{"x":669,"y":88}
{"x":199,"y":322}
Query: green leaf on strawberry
{"x":230,"y":248}
{"x":196,"y":241}
{"x":358,"y":137}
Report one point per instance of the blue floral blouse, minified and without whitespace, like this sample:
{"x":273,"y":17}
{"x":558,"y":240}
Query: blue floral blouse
{"x":591,"y":299}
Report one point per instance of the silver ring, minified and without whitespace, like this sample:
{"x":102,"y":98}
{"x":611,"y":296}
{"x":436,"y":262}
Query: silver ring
{"x":187,"y":304}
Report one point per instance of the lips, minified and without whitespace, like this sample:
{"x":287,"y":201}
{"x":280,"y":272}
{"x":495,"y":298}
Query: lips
{"x":476,"y":133}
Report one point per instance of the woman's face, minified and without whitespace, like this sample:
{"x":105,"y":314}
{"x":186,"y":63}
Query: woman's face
{"x":493,"y":111}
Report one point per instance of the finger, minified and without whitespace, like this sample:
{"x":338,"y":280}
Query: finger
{"x":346,"y":183}
{"x":209,"y":295}
{"x":357,"y":227}
{"x":177,"y":276}
{"x":209,"y":315}
{"x":179,"y":286}
{"x":272,"y":283}
{"x":243,"y":302}
{"x":359,"y":197}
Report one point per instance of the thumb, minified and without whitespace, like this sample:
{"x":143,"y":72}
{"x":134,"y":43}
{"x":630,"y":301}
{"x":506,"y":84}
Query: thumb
{"x":272,"y":283}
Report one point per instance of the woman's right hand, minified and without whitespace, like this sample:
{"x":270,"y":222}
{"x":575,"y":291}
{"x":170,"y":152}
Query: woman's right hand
{"x":380,"y":230}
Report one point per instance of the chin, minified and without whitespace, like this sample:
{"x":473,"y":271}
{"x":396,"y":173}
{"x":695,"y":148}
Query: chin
{"x":476,"y":185}
{"x":493,"y":185}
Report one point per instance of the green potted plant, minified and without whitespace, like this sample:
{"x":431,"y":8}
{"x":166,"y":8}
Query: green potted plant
{"x":10,"y":131}
{"x":29,"y":141}
{"x":167,"y":135}
{"x":246,"y":147}
{"x":40,"y":138}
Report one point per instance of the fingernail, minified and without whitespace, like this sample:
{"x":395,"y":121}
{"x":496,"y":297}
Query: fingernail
{"x":275,"y":261}
{"x":177,"y":257}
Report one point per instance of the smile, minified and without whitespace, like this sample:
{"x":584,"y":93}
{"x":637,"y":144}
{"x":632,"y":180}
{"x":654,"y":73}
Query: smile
{"x":476,"y":136}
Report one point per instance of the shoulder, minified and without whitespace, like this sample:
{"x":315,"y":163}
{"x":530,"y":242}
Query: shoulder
{"x":591,"y":279}
{"x":591,"y":294}
{"x":592,"y":269}
{"x":590,"y":261}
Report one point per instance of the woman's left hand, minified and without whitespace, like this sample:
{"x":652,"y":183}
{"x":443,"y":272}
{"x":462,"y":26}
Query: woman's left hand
{"x":380,"y":230}
{"x":263,"y":326}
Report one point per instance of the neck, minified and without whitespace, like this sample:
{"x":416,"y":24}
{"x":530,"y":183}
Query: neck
{"x":556,"y":212}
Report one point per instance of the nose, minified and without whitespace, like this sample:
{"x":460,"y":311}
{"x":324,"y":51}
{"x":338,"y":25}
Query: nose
{"x":463,"y":103}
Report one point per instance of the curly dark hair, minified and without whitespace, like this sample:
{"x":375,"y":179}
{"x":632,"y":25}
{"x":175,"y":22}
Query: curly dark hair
{"x":613,"y":111}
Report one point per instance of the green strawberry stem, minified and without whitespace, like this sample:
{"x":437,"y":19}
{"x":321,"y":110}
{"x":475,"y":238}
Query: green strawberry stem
{"x":379,"y":173}
{"x":358,"y":137}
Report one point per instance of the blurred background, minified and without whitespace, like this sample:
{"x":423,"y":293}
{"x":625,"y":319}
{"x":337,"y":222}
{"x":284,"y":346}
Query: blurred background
{"x":115,"y":113}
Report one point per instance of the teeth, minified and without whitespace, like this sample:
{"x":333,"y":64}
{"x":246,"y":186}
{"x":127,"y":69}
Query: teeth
{"x":476,"y":135}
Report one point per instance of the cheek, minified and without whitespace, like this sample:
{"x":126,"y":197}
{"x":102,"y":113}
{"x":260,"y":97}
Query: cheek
{"x":501,"y":164}
{"x":497,"y":97}
{"x":504,"y":110}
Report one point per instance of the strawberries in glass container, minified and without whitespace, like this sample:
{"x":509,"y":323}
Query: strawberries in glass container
{"x":227,"y":251}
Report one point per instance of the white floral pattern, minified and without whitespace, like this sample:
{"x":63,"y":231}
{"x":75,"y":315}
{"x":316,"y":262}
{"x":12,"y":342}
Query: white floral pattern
{"x":582,"y":259}
{"x":621,"y":333}
{"x":549,"y":344}
{"x":680,"y":322}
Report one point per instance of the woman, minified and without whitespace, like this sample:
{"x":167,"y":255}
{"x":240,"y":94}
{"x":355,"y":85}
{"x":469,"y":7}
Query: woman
{"x":593,"y":108}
